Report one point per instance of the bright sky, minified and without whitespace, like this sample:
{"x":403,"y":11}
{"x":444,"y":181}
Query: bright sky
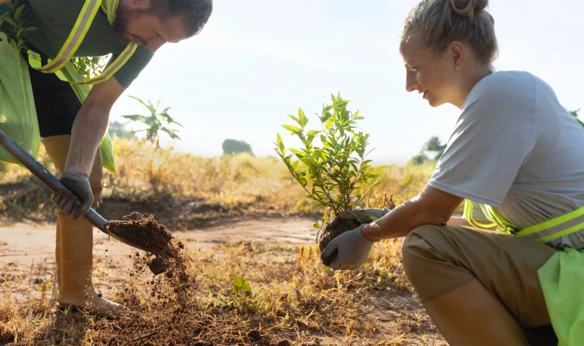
{"x":257,"y":61}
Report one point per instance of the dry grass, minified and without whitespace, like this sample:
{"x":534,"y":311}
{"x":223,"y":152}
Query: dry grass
{"x":280,"y":291}
{"x":171,"y":184}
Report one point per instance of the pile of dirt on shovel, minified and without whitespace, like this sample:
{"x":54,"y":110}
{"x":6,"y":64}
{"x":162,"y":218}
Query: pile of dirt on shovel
{"x":144,"y":232}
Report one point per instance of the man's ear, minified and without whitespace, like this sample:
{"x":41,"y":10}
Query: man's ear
{"x":140,"y":4}
{"x":457,"y":54}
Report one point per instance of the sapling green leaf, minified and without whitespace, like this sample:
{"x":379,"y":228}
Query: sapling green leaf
{"x":331,"y":165}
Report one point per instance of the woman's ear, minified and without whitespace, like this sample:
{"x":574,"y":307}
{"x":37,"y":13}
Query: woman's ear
{"x":457,"y":54}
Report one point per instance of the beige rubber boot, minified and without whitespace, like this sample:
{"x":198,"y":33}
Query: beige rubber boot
{"x":74,"y":248}
{"x":471,"y":316}
{"x":76,"y":262}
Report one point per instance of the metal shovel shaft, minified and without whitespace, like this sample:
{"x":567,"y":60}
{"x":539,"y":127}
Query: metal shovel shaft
{"x":45,"y":176}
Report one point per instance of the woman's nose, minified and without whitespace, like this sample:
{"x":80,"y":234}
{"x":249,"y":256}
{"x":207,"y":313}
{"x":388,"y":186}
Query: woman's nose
{"x":411,"y":83}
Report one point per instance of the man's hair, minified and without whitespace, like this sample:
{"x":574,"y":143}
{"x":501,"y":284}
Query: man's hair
{"x":195,"y":12}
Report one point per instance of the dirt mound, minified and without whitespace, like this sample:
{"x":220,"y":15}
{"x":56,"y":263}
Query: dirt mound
{"x":173,"y":313}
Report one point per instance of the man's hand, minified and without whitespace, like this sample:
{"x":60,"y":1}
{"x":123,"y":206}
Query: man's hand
{"x":79,"y":189}
{"x":352,"y":250}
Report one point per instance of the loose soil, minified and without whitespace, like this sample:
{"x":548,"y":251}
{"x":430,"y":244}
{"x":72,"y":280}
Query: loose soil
{"x":143,"y":232}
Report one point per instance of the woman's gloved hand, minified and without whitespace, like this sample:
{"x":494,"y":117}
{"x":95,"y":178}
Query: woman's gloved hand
{"x":347,"y":251}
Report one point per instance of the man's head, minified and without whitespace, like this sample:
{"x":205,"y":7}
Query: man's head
{"x":152,"y":23}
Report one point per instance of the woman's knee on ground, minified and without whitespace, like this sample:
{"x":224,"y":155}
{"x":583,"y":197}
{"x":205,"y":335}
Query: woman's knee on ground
{"x":416,"y":252}
{"x":429,"y":257}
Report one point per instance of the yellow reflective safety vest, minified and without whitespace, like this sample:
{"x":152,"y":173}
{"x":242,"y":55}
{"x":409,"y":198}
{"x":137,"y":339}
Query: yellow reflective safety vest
{"x":561,"y":277}
{"x":75,"y":39}
{"x":63,"y":68}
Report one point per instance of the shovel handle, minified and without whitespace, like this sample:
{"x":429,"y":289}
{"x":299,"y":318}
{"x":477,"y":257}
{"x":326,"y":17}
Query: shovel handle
{"x":46,"y":177}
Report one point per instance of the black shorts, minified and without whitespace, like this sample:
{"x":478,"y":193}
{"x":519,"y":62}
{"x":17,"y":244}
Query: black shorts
{"x":56,"y":103}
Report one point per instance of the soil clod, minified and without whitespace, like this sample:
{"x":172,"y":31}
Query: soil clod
{"x":145,"y":233}
{"x":338,"y":226}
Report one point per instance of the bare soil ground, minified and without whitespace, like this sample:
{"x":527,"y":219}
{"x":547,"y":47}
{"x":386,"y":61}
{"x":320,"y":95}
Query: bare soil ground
{"x":28,"y":250}
{"x":27,"y":244}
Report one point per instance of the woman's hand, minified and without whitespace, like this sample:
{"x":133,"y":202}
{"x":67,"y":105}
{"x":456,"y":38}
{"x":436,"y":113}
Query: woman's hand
{"x":347,"y":251}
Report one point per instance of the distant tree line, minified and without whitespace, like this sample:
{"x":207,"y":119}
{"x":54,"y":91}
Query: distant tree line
{"x":431,"y":151}
{"x":234,"y":147}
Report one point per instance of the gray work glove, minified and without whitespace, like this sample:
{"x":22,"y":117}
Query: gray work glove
{"x":79,"y":189}
{"x":351,"y":247}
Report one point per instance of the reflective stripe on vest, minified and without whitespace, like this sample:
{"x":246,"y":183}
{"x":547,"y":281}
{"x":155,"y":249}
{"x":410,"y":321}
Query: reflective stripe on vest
{"x":467,"y":214}
{"x":74,"y":40}
{"x":555,"y":228}
{"x":496,"y":220}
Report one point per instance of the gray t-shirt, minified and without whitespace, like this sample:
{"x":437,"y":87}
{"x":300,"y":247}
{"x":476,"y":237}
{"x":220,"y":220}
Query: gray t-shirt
{"x":56,"y":18}
{"x":517,"y":149}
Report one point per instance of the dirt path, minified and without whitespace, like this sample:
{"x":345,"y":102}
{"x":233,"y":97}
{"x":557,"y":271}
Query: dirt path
{"x":27,"y":244}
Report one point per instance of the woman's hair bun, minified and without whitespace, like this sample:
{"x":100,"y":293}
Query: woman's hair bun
{"x":468,"y":8}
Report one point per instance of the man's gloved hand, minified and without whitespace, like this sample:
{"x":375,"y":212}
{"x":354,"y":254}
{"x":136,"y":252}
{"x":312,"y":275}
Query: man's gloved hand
{"x":351,"y":248}
{"x":78,"y":184}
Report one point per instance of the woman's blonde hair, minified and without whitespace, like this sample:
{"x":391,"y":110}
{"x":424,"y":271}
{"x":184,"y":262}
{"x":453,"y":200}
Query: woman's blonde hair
{"x":440,"y":22}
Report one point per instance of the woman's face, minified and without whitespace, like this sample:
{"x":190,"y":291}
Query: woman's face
{"x":429,"y":74}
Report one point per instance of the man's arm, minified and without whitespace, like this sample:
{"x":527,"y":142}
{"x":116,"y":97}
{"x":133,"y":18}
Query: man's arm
{"x":88,"y":130}
{"x":431,"y":207}
{"x":90,"y":125}
{"x":4,"y":1}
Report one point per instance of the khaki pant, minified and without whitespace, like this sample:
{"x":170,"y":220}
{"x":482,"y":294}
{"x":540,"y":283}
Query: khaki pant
{"x":440,"y":259}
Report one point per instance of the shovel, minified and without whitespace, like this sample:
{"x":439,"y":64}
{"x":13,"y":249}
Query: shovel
{"x":54,"y":184}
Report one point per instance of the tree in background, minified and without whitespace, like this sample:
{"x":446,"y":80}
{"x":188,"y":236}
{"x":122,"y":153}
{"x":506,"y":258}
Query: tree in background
{"x":156,"y":122}
{"x":431,"y":152}
{"x":118,"y":129}
{"x":232,"y":147}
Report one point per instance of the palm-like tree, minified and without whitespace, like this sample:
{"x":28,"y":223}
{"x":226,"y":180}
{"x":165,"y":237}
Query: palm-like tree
{"x":155,"y":123}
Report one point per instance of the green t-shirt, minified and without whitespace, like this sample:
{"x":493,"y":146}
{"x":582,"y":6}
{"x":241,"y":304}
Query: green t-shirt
{"x":56,"y":18}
